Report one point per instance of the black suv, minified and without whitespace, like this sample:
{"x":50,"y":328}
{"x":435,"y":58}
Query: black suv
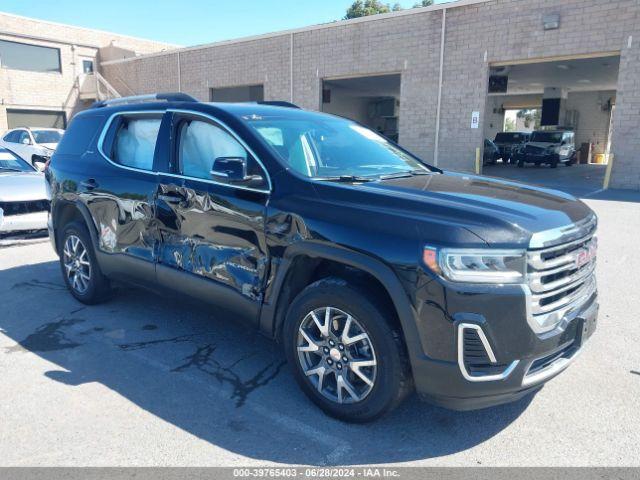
{"x":509,"y":143}
{"x":377,"y":272}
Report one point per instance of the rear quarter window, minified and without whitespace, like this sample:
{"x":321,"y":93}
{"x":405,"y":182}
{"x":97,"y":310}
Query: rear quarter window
{"x":80,"y":135}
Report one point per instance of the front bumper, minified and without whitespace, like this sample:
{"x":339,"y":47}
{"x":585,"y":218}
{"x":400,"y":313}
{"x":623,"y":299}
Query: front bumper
{"x":524,"y":360}
{"x":16,"y":224}
{"x":538,"y":157}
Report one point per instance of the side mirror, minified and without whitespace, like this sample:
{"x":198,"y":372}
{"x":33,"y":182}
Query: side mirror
{"x":40,"y":165}
{"x":234,"y":170}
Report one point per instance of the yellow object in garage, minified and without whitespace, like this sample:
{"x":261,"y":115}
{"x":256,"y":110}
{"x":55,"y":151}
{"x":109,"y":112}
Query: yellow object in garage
{"x":600,"y":158}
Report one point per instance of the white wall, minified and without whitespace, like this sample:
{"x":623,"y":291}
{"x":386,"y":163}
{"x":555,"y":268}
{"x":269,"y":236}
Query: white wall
{"x":593,"y":122}
{"x":344,"y":103}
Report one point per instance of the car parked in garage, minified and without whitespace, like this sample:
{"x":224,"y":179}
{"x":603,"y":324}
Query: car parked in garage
{"x":376,"y":271}
{"x":508,"y":144}
{"x":23,"y":198}
{"x":34,"y":145}
{"x":550,"y":147}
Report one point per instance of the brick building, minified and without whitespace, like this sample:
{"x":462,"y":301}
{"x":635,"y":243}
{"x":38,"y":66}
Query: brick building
{"x":439,"y":78}
{"x":48,"y":70}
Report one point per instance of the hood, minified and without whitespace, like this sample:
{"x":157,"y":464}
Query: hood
{"x":500,"y":212}
{"x":543,"y":144}
{"x":22,"y":186}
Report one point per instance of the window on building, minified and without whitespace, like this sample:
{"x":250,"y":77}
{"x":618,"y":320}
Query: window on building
{"x":22,"y":56}
{"x":87,"y":66}
{"x":135,"y":141}
{"x":248,"y":93}
{"x":36,"y":118}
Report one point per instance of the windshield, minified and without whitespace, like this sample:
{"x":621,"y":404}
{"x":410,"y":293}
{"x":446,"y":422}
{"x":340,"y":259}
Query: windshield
{"x":509,"y":137}
{"x":8,"y":161}
{"x":547,"y":137}
{"x":46,"y":136}
{"x":333,"y":147}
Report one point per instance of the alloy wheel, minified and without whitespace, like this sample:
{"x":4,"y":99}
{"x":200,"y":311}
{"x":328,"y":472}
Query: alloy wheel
{"x":76,"y":263}
{"x":337,"y":355}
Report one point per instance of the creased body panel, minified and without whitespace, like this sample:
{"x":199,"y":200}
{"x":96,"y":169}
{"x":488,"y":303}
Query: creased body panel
{"x":213,"y":235}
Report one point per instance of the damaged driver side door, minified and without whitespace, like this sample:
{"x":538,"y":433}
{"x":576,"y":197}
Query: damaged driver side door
{"x":212,"y":243}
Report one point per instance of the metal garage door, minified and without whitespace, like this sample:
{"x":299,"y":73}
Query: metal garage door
{"x":36,"y":118}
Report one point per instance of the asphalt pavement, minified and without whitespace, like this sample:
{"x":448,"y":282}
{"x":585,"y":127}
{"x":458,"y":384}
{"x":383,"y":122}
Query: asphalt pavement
{"x":144,"y":380}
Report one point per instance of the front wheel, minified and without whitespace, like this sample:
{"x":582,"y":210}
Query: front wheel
{"x":80,"y":268}
{"x":346,"y":355}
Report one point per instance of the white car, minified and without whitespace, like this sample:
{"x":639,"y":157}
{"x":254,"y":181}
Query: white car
{"x":24,"y":205}
{"x":33,"y":145}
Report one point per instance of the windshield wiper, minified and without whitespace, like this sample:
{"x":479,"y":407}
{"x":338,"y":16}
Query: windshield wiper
{"x":410,"y":173}
{"x":346,"y":178}
{"x":9,"y":169}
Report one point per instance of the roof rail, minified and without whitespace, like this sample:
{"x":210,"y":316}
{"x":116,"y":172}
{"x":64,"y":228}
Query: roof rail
{"x":278,"y":103}
{"x":169,"y":97}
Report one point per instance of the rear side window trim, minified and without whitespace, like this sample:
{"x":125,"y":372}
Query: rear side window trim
{"x":107,"y":128}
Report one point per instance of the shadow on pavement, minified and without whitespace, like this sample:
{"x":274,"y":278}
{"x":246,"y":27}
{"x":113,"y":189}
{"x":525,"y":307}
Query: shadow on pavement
{"x":214,"y":378}
{"x":615,"y":195}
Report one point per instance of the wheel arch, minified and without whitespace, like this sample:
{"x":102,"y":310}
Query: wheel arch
{"x":66,"y":211}
{"x":291,"y":272}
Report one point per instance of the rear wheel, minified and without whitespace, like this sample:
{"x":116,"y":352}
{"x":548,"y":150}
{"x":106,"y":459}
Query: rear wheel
{"x":346,"y":356}
{"x":79,"y":267}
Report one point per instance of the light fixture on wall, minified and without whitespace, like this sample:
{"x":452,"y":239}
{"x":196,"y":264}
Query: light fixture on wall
{"x":551,"y":22}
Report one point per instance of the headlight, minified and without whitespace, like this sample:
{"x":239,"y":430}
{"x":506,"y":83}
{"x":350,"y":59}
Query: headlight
{"x":477,"y":265}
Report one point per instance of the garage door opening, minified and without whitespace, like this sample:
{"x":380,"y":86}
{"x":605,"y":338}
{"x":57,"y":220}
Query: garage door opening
{"x":373,"y":101}
{"x":572,"y":101}
{"x":245,"y":93}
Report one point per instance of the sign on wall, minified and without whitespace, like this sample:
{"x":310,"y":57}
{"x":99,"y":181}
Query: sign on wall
{"x":475,"y":119}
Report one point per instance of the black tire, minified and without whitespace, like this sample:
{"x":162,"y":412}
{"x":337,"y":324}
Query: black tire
{"x":392,"y":380}
{"x":98,"y":288}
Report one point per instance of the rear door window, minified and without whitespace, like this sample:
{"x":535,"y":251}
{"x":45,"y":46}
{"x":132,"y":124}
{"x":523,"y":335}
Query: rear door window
{"x":135,"y":140}
{"x":12,"y":137}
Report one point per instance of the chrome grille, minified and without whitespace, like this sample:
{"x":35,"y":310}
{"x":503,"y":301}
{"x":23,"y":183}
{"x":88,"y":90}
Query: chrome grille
{"x":22,"y":208}
{"x":561,"y":278}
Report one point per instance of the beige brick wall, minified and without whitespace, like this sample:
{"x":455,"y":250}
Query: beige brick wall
{"x":57,"y":90}
{"x":477,"y":34}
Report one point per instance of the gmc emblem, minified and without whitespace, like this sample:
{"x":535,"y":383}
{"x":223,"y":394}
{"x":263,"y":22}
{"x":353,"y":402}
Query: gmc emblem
{"x":586,"y":255}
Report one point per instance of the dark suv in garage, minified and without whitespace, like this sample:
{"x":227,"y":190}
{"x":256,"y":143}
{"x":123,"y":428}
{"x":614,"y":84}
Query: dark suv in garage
{"x":376,"y":271}
{"x":509,"y":143}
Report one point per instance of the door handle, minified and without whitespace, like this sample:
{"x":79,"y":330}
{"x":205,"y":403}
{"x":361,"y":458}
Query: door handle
{"x":89,"y":184}
{"x":171,"y":197}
